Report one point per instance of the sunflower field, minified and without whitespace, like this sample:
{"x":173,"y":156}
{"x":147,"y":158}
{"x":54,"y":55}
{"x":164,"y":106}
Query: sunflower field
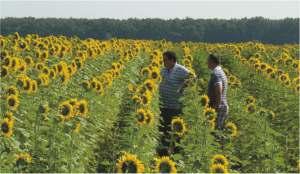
{"x":74,"y":105}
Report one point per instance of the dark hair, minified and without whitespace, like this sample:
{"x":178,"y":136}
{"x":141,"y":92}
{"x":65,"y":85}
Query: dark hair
{"x":214,"y":59}
{"x":170,"y":55}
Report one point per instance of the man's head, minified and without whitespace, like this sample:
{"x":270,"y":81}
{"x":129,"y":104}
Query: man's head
{"x":169,"y":59}
{"x":212,"y":61}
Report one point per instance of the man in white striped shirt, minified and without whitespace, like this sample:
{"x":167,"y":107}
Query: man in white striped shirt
{"x":217,"y":89}
{"x":170,"y":90}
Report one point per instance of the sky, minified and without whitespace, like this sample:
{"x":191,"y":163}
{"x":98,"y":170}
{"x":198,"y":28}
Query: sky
{"x":123,"y":9}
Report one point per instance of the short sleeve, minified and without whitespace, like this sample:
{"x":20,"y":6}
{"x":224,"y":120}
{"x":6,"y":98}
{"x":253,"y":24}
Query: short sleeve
{"x":217,"y":80}
{"x":183,"y":73}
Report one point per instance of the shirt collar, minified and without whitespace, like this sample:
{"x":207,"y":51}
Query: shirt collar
{"x":170,"y":70}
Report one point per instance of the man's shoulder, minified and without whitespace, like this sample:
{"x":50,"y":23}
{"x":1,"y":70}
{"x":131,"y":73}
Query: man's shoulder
{"x":218,"y":71}
{"x":181,"y":68}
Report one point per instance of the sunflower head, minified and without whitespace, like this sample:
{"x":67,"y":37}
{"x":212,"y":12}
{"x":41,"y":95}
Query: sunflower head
{"x":136,"y":99}
{"x":165,"y":165}
{"x":210,"y":113}
{"x":9,"y":115}
{"x":4,"y":71}
{"x":250,"y":99}
{"x":131,"y":88}
{"x":146,"y":97}
{"x":82,"y":108}
{"x":231,"y":129}
{"x":44,"y":108}
{"x":66,"y":111}
{"x":129,"y":163}
{"x":145,"y":71}
{"x":218,"y":168}
{"x":12,"y":90}
{"x":149,"y":84}
{"x":178,"y":126}
{"x":6,"y":127}
{"x":12,"y":102}
{"x":144,"y":116}
{"x":251,"y":108}
{"x":283,"y":77}
{"x":155,"y":74}
{"x":204,"y":100}
{"x":141,"y":116}
{"x":220,"y":159}
{"x":23,"y":159}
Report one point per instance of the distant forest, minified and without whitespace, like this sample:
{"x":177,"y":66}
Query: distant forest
{"x":197,"y":30}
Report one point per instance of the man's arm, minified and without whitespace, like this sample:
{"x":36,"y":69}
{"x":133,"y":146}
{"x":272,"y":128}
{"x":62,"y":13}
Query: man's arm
{"x":218,"y":92}
{"x":188,"y":77}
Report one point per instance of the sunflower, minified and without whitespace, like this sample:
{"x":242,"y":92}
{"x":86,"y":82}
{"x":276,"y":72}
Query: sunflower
{"x":99,"y":88}
{"x":129,"y":163}
{"x":66,"y":111}
{"x":12,"y":90}
{"x":12,"y":102}
{"x":7,"y":61}
{"x":272,"y":75}
{"x":65,"y":77}
{"x":43,"y":80}
{"x":39,"y":66}
{"x":146,"y":97}
{"x":9,"y":115}
{"x":212,"y":123}
{"x":78,"y":62}
{"x":204,"y":100}
{"x":52,"y":73}
{"x":218,"y":168}
{"x":250,"y":99}
{"x":14,"y":63}
{"x":296,"y":80}
{"x":154,"y":74}
{"x":263,"y":66}
{"x":220,"y":159}
{"x":131,"y":88}
{"x":27,"y":86}
{"x":44,"y":108}
{"x":86,"y":84}
{"x":283,"y":78}
{"x":4,"y":71}
{"x":178,"y":126}
{"x":231,"y":128}
{"x":150,"y":85}
{"x":7,"y":127}
{"x":141,"y":116}
{"x":136,"y":99}
{"x":149,"y":117}
{"x":28,"y":61}
{"x":210,"y":113}
{"x":82,"y":107}
{"x":23,"y":158}
{"x":269,"y":70}
{"x":251,"y":108}
{"x":288,"y":61}
{"x":165,"y":165}
{"x":34,"y":85}
{"x":4,"y":54}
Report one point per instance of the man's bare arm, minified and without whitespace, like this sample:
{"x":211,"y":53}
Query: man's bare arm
{"x":218,"y":92}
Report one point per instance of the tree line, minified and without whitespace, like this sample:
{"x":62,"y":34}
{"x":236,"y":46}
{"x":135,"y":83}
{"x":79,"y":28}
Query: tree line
{"x":197,"y":30}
